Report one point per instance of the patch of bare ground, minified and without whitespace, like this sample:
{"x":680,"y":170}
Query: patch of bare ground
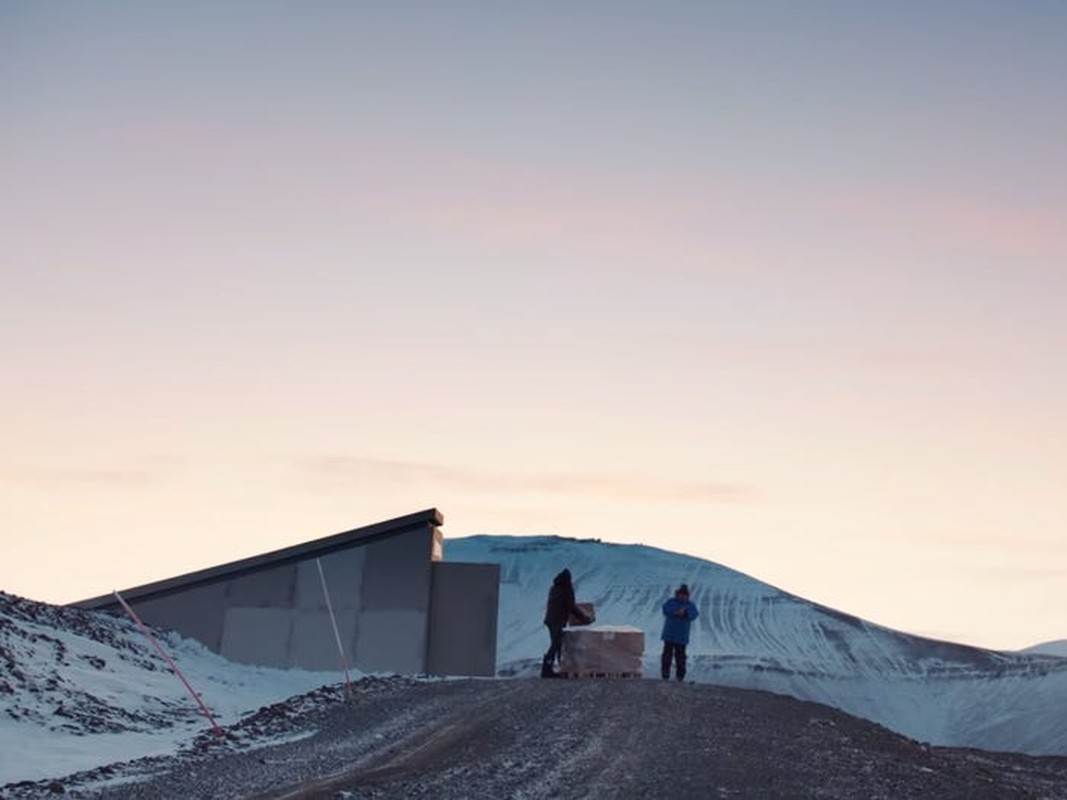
{"x":531,"y":739}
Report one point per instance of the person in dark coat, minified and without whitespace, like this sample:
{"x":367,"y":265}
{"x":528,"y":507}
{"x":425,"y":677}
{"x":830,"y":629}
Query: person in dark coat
{"x":678,"y":613}
{"x":559,"y":609}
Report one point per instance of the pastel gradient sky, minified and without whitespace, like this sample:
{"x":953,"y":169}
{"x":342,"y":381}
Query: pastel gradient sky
{"x":778,"y":284}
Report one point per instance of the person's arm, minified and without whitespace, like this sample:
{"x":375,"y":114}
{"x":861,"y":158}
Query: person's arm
{"x":572,"y":608}
{"x":691,"y":611}
{"x":674,"y":608}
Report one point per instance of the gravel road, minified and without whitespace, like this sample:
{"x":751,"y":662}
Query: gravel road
{"x":530,"y":739}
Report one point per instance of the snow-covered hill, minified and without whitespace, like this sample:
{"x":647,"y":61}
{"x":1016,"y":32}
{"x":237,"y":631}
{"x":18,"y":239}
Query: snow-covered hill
{"x":752,"y":635}
{"x":1056,"y":648}
{"x":80,"y":689}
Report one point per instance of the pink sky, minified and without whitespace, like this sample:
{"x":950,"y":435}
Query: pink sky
{"x":781,"y":287}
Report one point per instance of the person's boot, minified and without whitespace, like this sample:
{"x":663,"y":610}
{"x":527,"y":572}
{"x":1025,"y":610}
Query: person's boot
{"x":547,"y":671}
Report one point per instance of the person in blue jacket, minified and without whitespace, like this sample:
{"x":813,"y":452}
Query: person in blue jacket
{"x":678,"y":612}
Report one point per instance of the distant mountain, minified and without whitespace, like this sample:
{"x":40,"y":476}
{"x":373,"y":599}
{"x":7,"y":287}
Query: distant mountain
{"x":752,"y":635}
{"x":87,"y":709}
{"x":1057,"y":648}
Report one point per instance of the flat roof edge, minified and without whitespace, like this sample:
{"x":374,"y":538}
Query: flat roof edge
{"x":327,"y":544}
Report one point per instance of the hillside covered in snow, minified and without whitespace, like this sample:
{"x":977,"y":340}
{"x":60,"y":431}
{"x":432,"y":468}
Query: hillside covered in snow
{"x":79,"y":689}
{"x":1056,"y":648}
{"x":752,"y":635}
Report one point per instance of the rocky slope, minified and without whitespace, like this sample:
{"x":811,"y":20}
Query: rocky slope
{"x":80,"y":688}
{"x":533,"y":739}
{"x":88,"y":710}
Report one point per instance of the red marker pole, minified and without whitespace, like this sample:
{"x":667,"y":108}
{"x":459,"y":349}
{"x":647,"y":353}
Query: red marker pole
{"x":170,"y":661}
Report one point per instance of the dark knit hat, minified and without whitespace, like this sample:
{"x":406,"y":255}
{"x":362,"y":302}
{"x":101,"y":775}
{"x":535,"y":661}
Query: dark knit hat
{"x":683,"y":589}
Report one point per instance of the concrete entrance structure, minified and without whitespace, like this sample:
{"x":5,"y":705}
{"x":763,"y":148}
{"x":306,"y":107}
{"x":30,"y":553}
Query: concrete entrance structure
{"x":399,"y":608}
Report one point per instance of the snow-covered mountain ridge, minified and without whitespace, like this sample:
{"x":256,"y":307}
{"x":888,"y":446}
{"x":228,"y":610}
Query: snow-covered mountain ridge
{"x":79,"y":689}
{"x":752,"y":635}
{"x":1056,"y":648}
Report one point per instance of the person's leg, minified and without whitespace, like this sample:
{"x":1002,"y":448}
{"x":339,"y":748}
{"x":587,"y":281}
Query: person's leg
{"x":555,"y":635}
{"x":665,"y":661}
{"x":679,"y":657}
{"x":550,"y":653}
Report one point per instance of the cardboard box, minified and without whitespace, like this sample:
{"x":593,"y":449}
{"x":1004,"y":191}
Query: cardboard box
{"x":589,"y":612}
{"x":602,"y":650}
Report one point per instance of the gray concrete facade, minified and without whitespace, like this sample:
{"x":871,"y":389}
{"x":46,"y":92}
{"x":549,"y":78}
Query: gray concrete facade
{"x":463,"y":611}
{"x":398,"y":608}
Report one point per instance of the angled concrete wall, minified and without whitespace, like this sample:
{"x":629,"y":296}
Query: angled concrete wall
{"x":278,"y":617}
{"x":394,"y":616}
{"x":271,"y":610}
{"x":463,"y":618}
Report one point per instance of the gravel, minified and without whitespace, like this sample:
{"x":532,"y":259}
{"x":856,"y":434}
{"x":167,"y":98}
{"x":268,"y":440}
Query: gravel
{"x":530,"y":739}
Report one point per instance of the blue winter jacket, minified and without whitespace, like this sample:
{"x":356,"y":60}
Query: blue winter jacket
{"x":676,"y":629}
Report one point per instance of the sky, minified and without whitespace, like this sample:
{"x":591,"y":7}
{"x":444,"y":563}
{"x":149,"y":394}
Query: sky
{"x":776,"y":284}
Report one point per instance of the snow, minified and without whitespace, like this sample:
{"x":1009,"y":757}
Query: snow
{"x":1057,"y":648}
{"x":79,"y":689}
{"x":83,"y":702}
{"x":753,"y":635}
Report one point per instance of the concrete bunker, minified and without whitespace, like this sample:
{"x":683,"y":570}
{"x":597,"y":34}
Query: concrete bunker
{"x":399,"y":607}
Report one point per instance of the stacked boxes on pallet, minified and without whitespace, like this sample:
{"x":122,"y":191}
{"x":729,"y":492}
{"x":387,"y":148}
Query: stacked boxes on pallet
{"x":602,"y":651}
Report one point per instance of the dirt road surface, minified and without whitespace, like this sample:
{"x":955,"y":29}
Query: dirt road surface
{"x":530,"y":739}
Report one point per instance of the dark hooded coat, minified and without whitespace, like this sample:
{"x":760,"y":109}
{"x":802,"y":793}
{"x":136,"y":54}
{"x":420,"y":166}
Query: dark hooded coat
{"x":561,"y":601}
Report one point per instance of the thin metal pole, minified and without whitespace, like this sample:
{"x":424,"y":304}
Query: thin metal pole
{"x":170,"y":661}
{"x":336,"y":632}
